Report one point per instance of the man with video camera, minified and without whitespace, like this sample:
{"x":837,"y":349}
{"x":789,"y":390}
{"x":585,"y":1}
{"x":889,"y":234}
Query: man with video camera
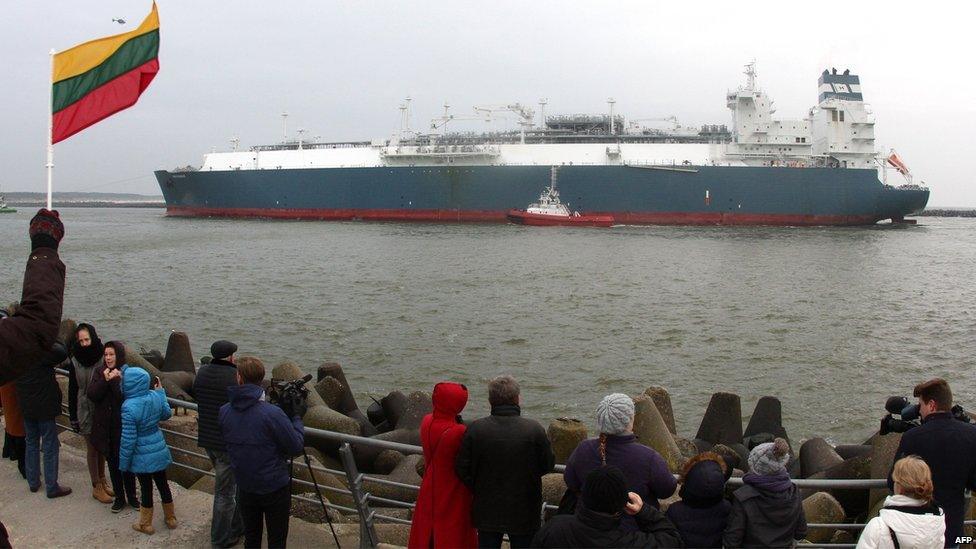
{"x":948,"y":446}
{"x":260,"y":438}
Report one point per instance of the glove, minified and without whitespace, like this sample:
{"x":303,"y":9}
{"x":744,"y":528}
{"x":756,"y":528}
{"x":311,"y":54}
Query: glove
{"x":46,"y":229}
{"x":75,"y":426}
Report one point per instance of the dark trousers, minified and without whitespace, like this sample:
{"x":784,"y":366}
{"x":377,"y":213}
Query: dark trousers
{"x":258,"y":509}
{"x":123,"y":483}
{"x":493,"y":540}
{"x":146,"y":481}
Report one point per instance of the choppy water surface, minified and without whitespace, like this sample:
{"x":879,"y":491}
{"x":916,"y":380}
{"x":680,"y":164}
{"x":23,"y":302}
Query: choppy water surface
{"x":832,"y":320}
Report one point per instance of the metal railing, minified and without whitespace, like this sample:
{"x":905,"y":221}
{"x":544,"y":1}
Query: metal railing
{"x":358,"y":482}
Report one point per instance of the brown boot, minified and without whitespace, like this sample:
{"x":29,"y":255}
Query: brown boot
{"x":98,"y":492}
{"x":145,"y":521}
{"x":170,"y":515}
{"x":107,"y":487}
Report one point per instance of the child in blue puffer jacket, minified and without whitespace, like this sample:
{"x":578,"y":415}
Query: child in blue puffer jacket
{"x":143,"y":449}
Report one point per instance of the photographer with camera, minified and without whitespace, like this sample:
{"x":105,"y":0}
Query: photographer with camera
{"x":947,"y":443}
{"x":260,"y":439}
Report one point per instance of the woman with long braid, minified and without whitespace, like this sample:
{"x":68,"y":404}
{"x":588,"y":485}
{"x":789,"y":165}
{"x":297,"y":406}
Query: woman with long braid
{"x":646,"y":471}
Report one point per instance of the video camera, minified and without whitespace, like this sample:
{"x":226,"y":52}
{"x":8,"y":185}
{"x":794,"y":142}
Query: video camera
{"x":290,"y":396}
{"x":909,"y":416}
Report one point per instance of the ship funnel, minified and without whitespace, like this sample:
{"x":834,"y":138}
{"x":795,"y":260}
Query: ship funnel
{"x":844,"y":86}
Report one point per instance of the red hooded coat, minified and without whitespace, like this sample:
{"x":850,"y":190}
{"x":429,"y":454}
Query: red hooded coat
{"x":443,"y":514}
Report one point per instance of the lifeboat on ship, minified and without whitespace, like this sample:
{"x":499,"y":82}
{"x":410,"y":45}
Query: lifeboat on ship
{"x":550,"y":212}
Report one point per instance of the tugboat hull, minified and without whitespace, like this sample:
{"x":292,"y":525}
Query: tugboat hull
{"x":523,"y":217}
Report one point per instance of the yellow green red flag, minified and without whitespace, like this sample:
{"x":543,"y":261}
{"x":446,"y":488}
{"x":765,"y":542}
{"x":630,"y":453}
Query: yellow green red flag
{"x":97,"y":79}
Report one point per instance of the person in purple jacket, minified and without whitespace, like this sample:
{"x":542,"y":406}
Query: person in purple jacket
{"x":646,"y":471}
{"x":260,"y":438}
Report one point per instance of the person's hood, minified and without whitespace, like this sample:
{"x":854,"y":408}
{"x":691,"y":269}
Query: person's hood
{"x":242,"y":397}
{"x":926,"y":530}
{"x":449,"y":399}
{"x":135,"y":382}
{"x":703,"y":480}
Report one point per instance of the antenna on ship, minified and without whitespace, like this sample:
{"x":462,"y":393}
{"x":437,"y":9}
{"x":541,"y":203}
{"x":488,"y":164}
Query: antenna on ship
{"x":284,"y":126}
{"x":542,"y":112}
{"x":610,"y":102}
{"x":301,"y":134}
{"x":235,"y":141}
{"x":751,"y":75}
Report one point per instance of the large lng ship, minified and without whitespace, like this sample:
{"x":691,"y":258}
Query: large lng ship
{"x":822,"y":169}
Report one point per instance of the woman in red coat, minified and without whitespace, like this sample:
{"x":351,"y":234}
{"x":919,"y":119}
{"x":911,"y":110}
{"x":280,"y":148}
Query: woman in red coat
{"x":442,"y":517}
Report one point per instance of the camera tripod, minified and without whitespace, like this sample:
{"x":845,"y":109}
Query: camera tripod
{"x":318,"y":492}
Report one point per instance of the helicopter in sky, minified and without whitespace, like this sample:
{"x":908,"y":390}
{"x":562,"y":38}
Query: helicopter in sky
{"x":119,"y":21}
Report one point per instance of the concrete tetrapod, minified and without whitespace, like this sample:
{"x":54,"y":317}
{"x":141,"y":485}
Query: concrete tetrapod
{"x":822,"y":508}
{"x":767,"y":417}
{"x":662,"y":400}
{"x":722,"y":423}
{"x":332,"y":390}
{"x":184,"y":425}
{"x":883,"y":448}
{"x":816,"y":454}
{"x":565,"y":434}
{"x":179,"y":357}
{"x":651,"y":431}
{"x":854,"y":502}
{"x":419,"y":404}
{"x":393,"y":406}
{"x":345,"y":402}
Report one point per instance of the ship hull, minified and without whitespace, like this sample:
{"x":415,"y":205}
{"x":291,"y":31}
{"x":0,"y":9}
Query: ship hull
{"x":685,"y":195}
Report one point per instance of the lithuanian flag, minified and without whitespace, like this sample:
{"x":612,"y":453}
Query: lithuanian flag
{"x":97,"y":79}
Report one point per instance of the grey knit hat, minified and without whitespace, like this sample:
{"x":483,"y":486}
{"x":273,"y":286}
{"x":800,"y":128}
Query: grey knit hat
{"x":769,"y":458}
{"x":614,"y":413}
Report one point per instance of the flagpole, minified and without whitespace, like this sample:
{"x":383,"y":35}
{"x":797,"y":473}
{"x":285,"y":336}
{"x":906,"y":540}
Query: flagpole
{"x":50,"y":131}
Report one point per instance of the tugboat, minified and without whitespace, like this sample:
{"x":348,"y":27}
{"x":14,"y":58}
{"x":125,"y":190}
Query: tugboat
{"x":4,"y":209}
{"x":550,"y":212}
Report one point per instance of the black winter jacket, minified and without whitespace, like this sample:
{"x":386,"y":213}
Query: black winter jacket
{"x":948,"y":447}
{"x":703,"y":512}
{"x":502,"y":459}
{"x":39,"y":393}
{"x":592,"y":529}
{"x":762,"y":518}
{"x":210,"y":391}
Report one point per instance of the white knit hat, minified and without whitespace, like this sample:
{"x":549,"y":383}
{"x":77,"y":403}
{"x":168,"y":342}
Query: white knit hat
{"x":614,"y":414}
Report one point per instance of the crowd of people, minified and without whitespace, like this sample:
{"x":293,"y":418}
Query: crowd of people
{"x":482,"y":480}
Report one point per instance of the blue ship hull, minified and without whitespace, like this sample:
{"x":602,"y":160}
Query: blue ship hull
{"x":701,"y":195}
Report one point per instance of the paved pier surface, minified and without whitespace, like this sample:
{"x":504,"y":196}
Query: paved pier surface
{"x":78,"y":520}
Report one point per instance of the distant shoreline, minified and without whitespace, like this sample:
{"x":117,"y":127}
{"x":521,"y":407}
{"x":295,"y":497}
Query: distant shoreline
{"x":85,"y":204}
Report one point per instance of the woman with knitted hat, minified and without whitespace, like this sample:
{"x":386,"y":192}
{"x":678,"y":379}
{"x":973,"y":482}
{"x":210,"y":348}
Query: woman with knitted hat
{"x":767,"y":510}
{"x":646,"y":471}
{"x":910,"y":518}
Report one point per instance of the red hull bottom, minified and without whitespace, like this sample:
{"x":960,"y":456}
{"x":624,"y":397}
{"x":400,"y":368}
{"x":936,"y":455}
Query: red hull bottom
{"x":494,"y":216}
{"x":523,"y":217}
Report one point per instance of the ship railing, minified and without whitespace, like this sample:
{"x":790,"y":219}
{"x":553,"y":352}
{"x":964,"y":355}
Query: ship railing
{"x":361,"y":488}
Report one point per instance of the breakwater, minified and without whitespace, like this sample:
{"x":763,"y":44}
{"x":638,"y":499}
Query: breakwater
{"x":396,"y":418}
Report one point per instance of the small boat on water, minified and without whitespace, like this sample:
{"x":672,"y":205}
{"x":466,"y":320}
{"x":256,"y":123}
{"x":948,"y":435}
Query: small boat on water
{"x":550,"y":212}
{"x":4,"y":209}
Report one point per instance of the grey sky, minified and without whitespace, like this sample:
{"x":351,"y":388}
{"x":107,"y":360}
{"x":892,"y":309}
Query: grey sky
{"x":341,"y":69}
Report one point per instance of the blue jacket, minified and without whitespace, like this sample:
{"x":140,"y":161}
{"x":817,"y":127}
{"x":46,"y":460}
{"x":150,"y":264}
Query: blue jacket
{"x":259,"y":438}
{"x":142,"y":448}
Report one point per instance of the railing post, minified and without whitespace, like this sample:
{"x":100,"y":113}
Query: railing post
{"x":367,"y":533}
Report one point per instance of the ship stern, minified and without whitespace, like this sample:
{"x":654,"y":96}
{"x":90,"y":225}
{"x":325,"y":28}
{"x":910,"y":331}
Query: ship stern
{"x":898,"y":202}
